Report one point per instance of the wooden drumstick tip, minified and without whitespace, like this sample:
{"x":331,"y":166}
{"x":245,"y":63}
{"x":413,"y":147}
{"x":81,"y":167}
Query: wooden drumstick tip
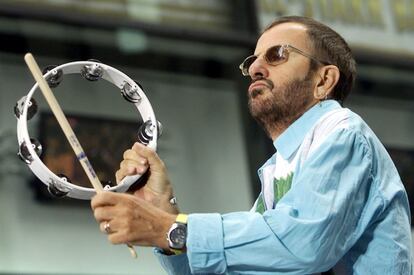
{"x":132,"y":251}
{"x":29,"y":58}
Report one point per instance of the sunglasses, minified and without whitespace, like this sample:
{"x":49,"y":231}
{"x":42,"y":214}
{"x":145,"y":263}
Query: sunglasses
{"x":274,"y":56}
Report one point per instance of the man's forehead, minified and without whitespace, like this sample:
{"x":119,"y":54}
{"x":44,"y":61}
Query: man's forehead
{"x":285,"y":33}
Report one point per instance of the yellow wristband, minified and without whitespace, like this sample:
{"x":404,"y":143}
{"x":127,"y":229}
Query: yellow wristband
{"x":182,"y":218}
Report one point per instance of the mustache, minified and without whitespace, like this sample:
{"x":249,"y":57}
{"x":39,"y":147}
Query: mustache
{"x":267,"y":81}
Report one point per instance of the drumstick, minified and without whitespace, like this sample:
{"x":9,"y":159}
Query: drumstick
{"x":63,"y":122}
{"x":67,"y":130}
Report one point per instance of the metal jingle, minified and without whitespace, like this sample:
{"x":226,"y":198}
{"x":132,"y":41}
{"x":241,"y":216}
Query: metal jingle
{"x":54,"y":189}
{"x":31,"y":110}
{"x":94,"y":60}
{"x":24,"y":153}
{"x":92,"y":72}
{"x":146,"y":132}
{"x":55,"y":78}
{"x":130,"y":93}
{"x":55,"y":192}
{"x":160,"y":129}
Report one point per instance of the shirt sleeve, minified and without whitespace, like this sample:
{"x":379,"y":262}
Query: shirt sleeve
{"x":173,"y":264}
{"x":330,"y":203}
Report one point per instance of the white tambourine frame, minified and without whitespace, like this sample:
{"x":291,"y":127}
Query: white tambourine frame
{"x":41,"y":171}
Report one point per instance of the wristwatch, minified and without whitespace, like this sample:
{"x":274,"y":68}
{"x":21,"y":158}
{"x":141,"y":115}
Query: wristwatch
{"x":177,"y":235}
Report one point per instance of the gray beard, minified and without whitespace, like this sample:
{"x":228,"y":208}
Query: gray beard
{"x":284,"y":106}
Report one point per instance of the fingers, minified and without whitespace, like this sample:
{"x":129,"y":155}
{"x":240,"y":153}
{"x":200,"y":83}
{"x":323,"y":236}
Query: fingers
{"x":125,"y":218}
{"x":103,"y":214}
{"x":134,"y":155}
{"x":149,"y":154}
{"x":137,"y":160}
{"x":113,"y":212}
{"x":128,"y":166}
{"x":120,"y":174}
{"x":132,"y":164}
{"x":102,"y":199}
{"x":117,"y":231}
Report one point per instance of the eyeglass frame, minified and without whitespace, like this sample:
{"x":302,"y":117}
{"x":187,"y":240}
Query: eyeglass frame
{"x":283,"y":47}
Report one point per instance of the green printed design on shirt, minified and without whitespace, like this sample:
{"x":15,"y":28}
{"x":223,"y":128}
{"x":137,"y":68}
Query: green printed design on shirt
{"x":260,"y":208}
{"x":281,"y":186}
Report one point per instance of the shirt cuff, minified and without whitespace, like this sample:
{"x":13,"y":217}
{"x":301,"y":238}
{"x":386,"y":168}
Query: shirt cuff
{"x":173,"y":264}
{"x":205,"y":246}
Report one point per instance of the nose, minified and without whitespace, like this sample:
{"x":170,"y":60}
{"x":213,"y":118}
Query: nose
{"x":258,"y":69}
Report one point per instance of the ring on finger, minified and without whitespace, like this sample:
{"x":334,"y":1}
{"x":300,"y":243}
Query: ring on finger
{"x":107,"y":228}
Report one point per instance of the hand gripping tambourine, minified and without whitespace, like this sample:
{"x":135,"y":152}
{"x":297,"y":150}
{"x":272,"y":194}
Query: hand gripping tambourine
{"x":30,"y":149}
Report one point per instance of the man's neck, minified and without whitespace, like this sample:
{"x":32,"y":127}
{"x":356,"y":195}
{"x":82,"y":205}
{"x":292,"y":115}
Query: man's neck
{"x":275,"y":129}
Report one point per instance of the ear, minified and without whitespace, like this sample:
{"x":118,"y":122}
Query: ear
{"x":328,"y":78}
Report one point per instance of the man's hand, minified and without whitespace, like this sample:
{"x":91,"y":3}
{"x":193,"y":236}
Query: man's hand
{"x":131,"y":220}
{"x":157,"y":190}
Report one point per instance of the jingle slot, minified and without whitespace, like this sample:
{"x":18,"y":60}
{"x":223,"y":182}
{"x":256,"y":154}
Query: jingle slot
{"x":31,"y":110}
{"x":130,"y":93}
{"x":55,"y":78}
{"x":92,"y":72}
{"x":146,"y":132}
{"x":24,"y":153}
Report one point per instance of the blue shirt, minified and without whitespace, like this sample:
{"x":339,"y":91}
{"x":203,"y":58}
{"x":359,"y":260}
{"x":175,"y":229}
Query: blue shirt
{"x":345,"y":208}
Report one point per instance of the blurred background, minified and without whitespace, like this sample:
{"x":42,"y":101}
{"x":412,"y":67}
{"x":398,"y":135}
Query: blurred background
{"x":185,"y":54}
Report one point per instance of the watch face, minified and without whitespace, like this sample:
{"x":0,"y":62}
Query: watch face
{"x":178,"y":236}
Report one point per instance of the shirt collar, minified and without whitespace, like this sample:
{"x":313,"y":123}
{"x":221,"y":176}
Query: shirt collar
{"x":288,"y":142}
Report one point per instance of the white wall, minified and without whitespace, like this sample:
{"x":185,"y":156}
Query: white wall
{"x":203,"y":147}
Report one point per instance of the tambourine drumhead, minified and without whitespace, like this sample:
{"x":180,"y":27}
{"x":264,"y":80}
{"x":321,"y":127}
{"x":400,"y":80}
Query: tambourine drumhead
{"x":29,"y":148}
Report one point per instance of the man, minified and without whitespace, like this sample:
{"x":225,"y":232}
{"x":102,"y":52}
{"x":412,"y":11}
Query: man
{"x":331,"y":197}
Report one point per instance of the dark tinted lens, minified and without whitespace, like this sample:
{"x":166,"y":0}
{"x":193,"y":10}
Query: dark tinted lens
{"x":275,"y":54}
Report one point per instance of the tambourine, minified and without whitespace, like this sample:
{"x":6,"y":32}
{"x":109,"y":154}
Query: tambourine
{"x":30,"y":149}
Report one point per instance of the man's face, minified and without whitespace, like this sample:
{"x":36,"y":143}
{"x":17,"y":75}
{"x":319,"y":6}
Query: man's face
{"x":280,"y":94}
